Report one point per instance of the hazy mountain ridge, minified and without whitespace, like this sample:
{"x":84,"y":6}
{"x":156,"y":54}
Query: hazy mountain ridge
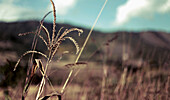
{"x":137,"y":41}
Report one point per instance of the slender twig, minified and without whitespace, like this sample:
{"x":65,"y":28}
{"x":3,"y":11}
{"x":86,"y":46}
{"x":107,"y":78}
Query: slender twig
{"x":71,"y":71}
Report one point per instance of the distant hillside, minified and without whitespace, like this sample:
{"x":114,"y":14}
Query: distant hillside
{"x":137,"y":44}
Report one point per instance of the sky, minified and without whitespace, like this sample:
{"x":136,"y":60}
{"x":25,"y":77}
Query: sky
{"x":118,"y":15}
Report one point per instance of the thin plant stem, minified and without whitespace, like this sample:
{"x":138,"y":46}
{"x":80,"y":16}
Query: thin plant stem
{"x":71,"y":71}
{"x":43,"y":78}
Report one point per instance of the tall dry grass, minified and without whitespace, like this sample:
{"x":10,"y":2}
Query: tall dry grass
{"x":110,"y":83}
{"x":52,"y":44}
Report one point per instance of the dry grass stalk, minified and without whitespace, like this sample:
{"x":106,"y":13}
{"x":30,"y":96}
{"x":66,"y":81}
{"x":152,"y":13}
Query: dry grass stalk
{"x":48,"y":36}
{"x":34,"y":43}
{"x":105,"y":69}
{"x":58,"y":34}
{"x":26,"y":54}
{"x":68,"y":78}
{"x":122,"y":82}
{"x":42,"y":38}
{"x":56,"y":45}
{"x":52,"y":45}
{"x":73,"y":65}
{"x":54,"y":21}
{"x":75,"y":43}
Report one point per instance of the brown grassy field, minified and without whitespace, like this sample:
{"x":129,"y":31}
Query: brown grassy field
{"x":96,"y":81}
{"x":120,"y":66}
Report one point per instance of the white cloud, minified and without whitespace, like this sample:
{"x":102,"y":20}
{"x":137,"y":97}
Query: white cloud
{"x":7,"y":1}
{"x":140,"y":8}
{"x":10,"y":12}
{"x":63,"y":6}
{"x":166,"y":7}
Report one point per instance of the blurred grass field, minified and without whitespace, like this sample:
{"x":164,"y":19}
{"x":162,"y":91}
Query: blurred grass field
{"x":113,"y":66}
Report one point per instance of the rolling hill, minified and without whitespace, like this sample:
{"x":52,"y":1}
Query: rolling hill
{"x":146,"y":44}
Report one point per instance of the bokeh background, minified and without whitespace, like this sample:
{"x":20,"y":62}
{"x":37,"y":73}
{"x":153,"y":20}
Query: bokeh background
{"x":127,"y":54}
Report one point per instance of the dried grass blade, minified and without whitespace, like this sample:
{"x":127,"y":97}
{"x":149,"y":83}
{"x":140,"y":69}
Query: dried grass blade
{"x":63,"y":34}
{"x":88,"y":36}
{"x":74,"y":42}
{"x":56,"y":46}
{"x":47,"y":35}
{"x":41,"y":22}
{"x":50,"y":83}
{"x":26,"y":54}
{"x":22,"y":34}
{"x":40,"y":65}
{"x":33,"y":70}
{"x":33,"y":48}
{"x":80,"y":31}
{"x":61,"y":38}
{"x":58,"y":34}
{"x":75,"y":64}
{"x":68,"y":78}
{"x":43,"y":40}
{"x":54,"y":21}
{"x":42,"y":84}
{"x":111,"y":40}
{"x":34,"y":43}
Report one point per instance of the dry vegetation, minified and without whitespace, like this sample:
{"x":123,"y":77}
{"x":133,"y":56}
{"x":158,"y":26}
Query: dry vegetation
{"x":50,"y":77}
